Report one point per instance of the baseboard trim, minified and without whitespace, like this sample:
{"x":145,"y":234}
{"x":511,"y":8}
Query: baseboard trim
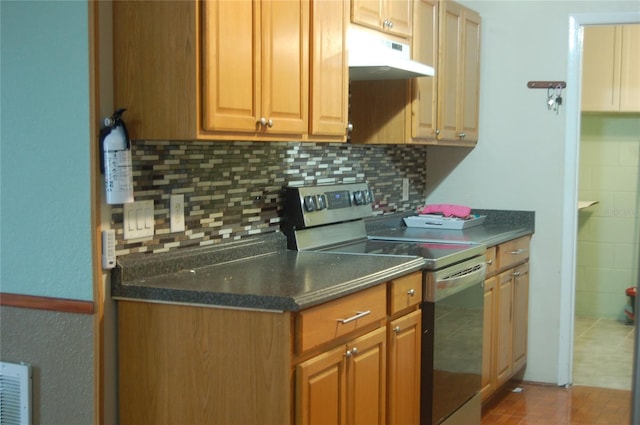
{"x":46,"y":303}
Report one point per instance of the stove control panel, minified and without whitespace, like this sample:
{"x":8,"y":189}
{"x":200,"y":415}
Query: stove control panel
{"x":309,"y":206}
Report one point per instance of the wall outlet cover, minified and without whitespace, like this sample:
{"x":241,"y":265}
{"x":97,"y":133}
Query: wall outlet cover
{"x":176,"y":204}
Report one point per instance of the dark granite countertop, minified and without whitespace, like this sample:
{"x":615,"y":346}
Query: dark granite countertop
{"x":270,"y":278}
{"x":499,"y":226}
{"x":260,"y":273}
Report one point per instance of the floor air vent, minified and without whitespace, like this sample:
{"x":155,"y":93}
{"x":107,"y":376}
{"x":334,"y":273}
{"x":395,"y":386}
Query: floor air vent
{"x":15,"y":394}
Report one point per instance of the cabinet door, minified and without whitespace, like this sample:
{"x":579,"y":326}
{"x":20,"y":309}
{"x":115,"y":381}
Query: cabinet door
{"x":329,"y":69}
{"x":630,"y":69}
{"x":256,"y":65}
{"x":403,"y":406}
{"x":489,"y":338}
{"x":366,"y":379}
{"x":504,"y":358}
{"x":458,"y":73}
{"x":448,"y":69}
{"x":366,"y":12}
{"x":231,"y":72}
{"x":399,"y":14}
{"x":600,"y":65}
{"x":425,"y":50}
{"x":520,"y":315}
{"x":285,"y":65}
{"x":320,"y":389}
{"x":470,"y":95}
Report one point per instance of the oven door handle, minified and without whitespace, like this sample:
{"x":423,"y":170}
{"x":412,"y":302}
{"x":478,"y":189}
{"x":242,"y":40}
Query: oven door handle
{"x":450,"y":285}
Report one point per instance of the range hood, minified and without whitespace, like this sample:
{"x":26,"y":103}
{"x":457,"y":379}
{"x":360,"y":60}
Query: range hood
{"x":373,"y":57}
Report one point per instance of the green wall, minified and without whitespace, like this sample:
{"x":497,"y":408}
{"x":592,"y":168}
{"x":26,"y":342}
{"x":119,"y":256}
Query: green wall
{"x":608,"y":232}
{"x":45,"y":228}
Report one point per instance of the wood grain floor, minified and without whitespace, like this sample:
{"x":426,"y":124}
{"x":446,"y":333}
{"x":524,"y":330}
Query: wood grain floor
{"x":551,"y":405}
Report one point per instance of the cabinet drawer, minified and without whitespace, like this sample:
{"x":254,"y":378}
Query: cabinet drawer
{"x":405,"y":291}
{"x":331,"y":320}
{"x":513,"y":252}
{"x":492,"y":267}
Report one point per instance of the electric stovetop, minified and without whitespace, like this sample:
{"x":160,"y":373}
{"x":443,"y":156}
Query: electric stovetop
{"x":437,"y":255}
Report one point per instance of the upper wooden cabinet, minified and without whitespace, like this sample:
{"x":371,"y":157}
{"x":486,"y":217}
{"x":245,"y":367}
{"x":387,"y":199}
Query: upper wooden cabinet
{"x":329,"y":94}
{"x":241,"y":70}
{"x":611,"y":69}
{"x":390,"y":16}
{"x":441,"y":110}
{"x":424,"y":90}
{"x":255,"y":66}
{"x":445,"y":109}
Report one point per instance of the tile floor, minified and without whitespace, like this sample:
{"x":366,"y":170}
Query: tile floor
{"x":602,"y":353}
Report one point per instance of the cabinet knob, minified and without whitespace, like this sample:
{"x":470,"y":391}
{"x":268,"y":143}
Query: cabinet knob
{"x":396,"y":329}
{"x":437,"y":132}
{"x":387,"y":23}
{"x":264,"y":122}
{"x":349,"y":128}
{"x":490,"y":262}
{"x":516,"y":274}
{"x":351,"y":352}
{"x":462,"y":135}
{"x":411,"y":292}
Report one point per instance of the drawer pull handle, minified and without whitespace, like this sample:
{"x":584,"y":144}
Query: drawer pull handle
{"x":411,"y":292}
{"x":517,"y":251}
{"x":354,"y":317}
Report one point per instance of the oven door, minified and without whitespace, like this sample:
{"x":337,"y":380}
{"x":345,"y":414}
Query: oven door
{"x":452,"y":342}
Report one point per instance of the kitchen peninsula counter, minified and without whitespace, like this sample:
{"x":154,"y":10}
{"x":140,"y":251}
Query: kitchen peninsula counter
{"x":257,"y":273}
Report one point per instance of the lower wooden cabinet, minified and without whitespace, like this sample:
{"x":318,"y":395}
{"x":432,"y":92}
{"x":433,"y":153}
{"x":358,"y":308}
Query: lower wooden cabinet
{"x":345,"y":385}
{"x":521,"y":315}
{"x":195,"y":364}
{"x":506,"y":311}
{"x":403,"y":387}
{"x":490,"y":326}
{"x":373,"y":378}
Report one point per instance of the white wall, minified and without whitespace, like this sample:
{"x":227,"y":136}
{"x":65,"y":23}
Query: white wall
{"x":519,"y":162}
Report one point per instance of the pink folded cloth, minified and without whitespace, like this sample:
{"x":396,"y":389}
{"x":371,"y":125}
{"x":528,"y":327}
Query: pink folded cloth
{"x":447,"y":210}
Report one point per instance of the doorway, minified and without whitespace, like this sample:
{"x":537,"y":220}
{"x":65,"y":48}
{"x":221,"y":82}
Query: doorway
{"x":607,"y":241}
{"x":570,"y":219}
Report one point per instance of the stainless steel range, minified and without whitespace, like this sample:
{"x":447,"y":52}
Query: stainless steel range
{"x":331,"y":218}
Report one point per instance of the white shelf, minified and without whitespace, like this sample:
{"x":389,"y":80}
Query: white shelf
{"x":586,"y":204}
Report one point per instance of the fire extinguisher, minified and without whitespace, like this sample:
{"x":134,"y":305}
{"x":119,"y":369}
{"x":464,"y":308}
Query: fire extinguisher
{"x":115,"y":159}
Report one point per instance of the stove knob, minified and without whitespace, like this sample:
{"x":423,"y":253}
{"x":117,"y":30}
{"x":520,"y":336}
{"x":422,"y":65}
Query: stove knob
{"x":322,"y":202}
{"x":358,"y":197}
{"x":309,"y":203}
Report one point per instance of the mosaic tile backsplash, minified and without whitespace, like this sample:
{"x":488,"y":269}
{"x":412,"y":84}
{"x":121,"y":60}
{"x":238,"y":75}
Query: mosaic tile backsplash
{"x":233,"y":190}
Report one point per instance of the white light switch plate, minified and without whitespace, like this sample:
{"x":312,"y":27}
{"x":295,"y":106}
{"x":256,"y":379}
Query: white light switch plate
{"x":176,"y":203}
{"x":138,"y":220}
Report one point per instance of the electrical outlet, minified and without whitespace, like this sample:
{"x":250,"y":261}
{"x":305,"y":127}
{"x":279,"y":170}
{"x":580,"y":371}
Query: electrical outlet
{"x":405,"y":189}
{"x":177,"y":213}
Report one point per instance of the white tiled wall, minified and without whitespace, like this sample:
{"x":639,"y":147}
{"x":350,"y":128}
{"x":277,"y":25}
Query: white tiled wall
{"x":608,"y":232}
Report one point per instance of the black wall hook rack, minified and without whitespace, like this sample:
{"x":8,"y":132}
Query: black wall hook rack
{"x":547,"y":84}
